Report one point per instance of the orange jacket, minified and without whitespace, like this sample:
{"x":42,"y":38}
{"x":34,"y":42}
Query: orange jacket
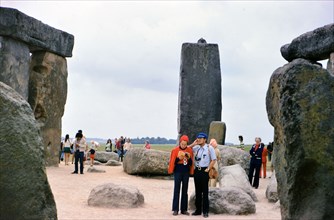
{"x":264,"y":155}
{"x":173,"y":156}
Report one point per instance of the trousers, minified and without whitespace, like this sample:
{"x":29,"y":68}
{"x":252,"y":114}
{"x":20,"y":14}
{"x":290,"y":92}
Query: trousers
{"x":78,"y":158}
{"x":180,"y":178}
{"x":201,"y":179}
{"x":257,"y":168}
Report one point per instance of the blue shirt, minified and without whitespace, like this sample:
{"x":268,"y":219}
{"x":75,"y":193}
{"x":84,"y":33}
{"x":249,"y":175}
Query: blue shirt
{"x":203,"y":155}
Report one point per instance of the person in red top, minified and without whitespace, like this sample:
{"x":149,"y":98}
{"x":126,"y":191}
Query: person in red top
{"x":181,"y":164}
{"x":264,"y":163}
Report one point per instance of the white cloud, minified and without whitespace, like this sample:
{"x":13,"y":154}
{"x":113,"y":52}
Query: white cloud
{"x":123,"y":77}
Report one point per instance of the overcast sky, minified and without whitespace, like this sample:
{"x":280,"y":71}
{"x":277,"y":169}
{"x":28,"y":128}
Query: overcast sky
{"x":124,"y":74}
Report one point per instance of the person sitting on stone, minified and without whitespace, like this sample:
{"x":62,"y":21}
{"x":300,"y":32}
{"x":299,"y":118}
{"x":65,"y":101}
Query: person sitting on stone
{"x":181,"y":165}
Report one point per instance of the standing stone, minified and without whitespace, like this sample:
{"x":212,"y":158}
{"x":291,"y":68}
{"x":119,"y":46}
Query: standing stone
{"x":25,"y":192}
{"x":330,"y":64}
{"x":47,"y":97}
{"x":200,"y":93}
{"x":314,"y":45}
{"x":300,"y":106}
{"x":271,"y":191}
{"x":217,"y":131}
{"x":14,"y":65}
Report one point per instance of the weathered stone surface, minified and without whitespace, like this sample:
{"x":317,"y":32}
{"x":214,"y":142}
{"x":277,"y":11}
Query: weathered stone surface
{"x":113,"y":163}
{"x":314,"y":45}
{"x":115,"y":196}
{"x":232,"y":155}
{"x":330,"y":64}
{"x":217,"y":131}
{"x":235,"y":176}
{"x":95,"y":170}
{"x":140,"y":161}
{"x":300,"y":106}
{"x":200,"y":96}
{"x":104,"y":157}
{"x":271,"y":192}
{"x":228,"y":200}
{"x":25,"y":192}
{"x":14,"y":65}
{"x":47,"y":98}
{"x":95,"y":162}
{"x":34,"y":33}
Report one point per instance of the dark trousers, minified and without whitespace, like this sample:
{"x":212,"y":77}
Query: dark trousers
{"x":257,"y":168}
{"x":178,"y":179}
{"x":78,"y":158}
{"x":201,"y":179}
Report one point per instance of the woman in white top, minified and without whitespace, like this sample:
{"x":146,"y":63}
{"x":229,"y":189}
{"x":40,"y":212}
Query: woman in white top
{"x":127,"y":145}
{"x":80,"y":148}
{"x":67,"y":149}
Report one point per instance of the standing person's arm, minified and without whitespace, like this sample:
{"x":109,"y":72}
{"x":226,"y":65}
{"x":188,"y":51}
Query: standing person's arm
{"x":213,"y":159}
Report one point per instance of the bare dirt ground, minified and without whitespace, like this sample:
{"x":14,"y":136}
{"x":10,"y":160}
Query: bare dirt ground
{"x":71,"y":193}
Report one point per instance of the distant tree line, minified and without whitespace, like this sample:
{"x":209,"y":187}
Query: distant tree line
{"x":152,"y":140}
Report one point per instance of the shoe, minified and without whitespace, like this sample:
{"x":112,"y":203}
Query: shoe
{"x":205,"y":215}
{"x":185,"y":213}
{"x":196,"y":213}
{"x":175,"y":213}
{"x":81,"y":173}
{"x":74,"y":173}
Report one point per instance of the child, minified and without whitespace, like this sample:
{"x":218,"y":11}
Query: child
{"x":92,"y":155}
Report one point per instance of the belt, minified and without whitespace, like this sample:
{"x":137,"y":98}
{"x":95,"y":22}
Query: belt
{"x":200,"y":168}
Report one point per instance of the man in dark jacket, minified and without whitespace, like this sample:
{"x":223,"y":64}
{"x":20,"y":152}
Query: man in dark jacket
{"x":256,"y":161}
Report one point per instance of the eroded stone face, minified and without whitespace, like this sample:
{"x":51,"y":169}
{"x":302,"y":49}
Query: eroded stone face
{"x":300,"y":106}
{"x":47,"y":97}
{"x":14,"y":65}
{"x":200,"y":93}
{"x":25,"y":191}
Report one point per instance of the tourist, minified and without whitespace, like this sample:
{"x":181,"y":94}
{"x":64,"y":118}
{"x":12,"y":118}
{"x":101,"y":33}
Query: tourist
{"x":205,"y":158}
{"x":127,"y":146}
{"x":109,"y":145}
{"x":119,"y":149}
{"x":181,"y":164}
{"x":61,"y":151}
{"x":147,"y":145}
{"x":92,"y":155}
{"x":256,"y":161}
{"x":67,"y":148}
{"x":214,"y":174}
{"x":95,"y":144}
{"x":263,"y":169}
{"x":242,"y":145}
{"x":80,"y":147}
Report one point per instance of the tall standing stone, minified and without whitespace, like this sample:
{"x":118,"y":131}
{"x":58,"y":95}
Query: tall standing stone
{"x":200,"y":92}
{"x":14,"y":65}
{"x":47,"y":97}
{"x":300,"y":106}
{"x":25,"y":192}
{"x":40,"y":79}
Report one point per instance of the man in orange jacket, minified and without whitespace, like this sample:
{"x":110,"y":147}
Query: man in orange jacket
{"x":181,"y":164}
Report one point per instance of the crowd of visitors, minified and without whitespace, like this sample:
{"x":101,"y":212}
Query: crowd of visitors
{"x":198,"y":159}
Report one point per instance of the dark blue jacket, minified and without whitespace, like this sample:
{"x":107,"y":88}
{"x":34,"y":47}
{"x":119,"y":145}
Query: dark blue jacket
{"x":256,"y":155}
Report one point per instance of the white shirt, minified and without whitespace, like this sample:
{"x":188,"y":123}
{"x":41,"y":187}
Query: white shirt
{"x":203,"y":155}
